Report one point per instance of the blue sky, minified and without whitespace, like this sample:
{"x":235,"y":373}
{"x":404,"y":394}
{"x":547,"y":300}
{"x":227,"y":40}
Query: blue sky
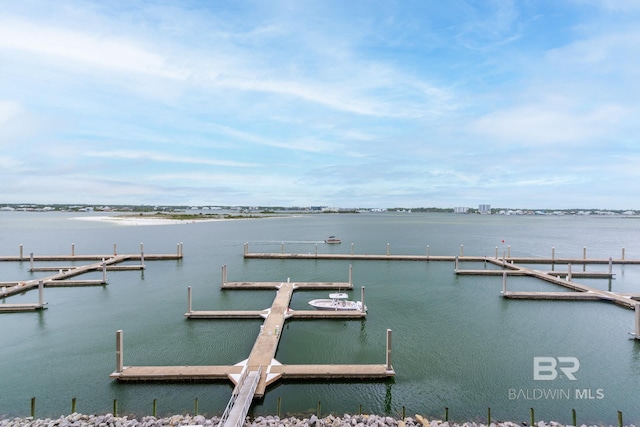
{"x":523,"y":104}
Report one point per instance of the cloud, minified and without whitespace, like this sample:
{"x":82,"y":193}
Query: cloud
{"x":105,"y":51}
{"x":155,"y":156}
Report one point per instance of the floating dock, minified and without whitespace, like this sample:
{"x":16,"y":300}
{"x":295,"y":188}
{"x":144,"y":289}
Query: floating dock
{"x":63,"y":273}
{"x":253,"y":375}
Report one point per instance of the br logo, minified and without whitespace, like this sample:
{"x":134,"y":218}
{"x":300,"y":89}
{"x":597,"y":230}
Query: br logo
{"x":546,"y":368}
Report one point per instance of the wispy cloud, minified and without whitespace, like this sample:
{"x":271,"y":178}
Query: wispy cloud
{"x":319,"y":103}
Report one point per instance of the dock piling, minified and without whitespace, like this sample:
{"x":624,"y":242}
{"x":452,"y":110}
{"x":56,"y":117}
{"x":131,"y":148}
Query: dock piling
{"x":352,"y":248}
{"x":461,"y":250}
{"x":362,"y":298}
{"x":316,"y":249}
{"x":21,"y":252}
{"x":610,"y":265}
{"x":573,"y":417}
{"x":427,"y":251}
{"x":637,"y":310}
{"x":246,"y":248}
{"x":31,"y":261}
{"x":142,"y":254}
{"x":496,"y":252}
{"x":569,"y":272}
{"x":73,"y":249}
{"x":282,"y":248}
{"x":509,"y":251}
{"x":119,"y":352}
{"x":115,"y":252}
{"x":189,"y":300}
{"x":504,"y":283}
{"x":33,"y":407}
{"x":350,"y":274}
{"x":388,"y":364}
{"x":104,"y":271}
{"x":584,"y":252}
{"x":73,"y":405}
{"x":41,"y":293}
{"x":388,"y":249}
{"x":623,"y":254}
{"x":456,"y":265}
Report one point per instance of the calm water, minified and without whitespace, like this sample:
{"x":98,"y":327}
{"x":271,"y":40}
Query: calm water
{"x":456,"y":343}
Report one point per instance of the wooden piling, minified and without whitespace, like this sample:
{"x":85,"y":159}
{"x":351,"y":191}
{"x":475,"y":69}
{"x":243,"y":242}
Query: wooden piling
{"x":350,"y":274}
{"x":573,"y":417}
{"x":21,"y":252}
{"x":496,"y":252}
{"x":73,"y":249}
{"x":388,"y":364}
{"x":104,"y":271}
{"x":31,"y":261}
{"x":569,"y":272}
{"x":115,"y":252}
{"x":388,"y":249}
{"x":246,"y":248}
{"x":362,"y":298}
{"x":282,"y":248}
{"x":427,"y":251}
{"x":461,"y":250}
{"x":189,"y":300}
{"x":41,"y":293}
{"x":73,"y":405}
{"x":351,"y":248}
{"x":637,"y":310}
{"x":509,"y":251}
{"x":623,"y":253}
{"x":119,"y":351}
{"x":504,"y":283}
{"x":316,"y":249}
{"x":33,"y":407}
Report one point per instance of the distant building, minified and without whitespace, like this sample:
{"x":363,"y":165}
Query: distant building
{"x":460,"y":210}
{"x":484,"y":209}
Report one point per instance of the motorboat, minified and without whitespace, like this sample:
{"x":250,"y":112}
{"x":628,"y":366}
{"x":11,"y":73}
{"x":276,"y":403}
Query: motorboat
{"x":333,"y":240}
{"x":338,"y":302}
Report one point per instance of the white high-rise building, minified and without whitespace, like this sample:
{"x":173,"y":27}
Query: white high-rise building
{"x":484,"y":209}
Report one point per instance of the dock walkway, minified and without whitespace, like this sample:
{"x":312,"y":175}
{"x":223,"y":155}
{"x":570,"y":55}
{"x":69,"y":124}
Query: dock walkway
{"x":64,"y":273}
{"x":261,"y":368}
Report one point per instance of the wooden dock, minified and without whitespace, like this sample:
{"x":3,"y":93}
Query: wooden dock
{"x":63,"y":274}
{"x":261,"y":368}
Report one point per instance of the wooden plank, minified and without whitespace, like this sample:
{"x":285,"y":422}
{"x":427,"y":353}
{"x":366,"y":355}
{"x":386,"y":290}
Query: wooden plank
{"x":589,"y":296}
{"x":331,"y":371}
{"x":277,"y":285}
{"x":17,"y":308}
{"x":176,"y":373}
{"x":229,"y":314}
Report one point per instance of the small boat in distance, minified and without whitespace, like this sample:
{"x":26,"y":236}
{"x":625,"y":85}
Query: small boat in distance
{"x":338,"y":302}
{"x":333,"y":240}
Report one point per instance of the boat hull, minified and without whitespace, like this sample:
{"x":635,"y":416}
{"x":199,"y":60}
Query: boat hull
{"x":328,"y":304}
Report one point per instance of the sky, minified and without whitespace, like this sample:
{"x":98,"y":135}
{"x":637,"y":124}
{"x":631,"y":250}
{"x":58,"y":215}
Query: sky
{"x":359,"y":103}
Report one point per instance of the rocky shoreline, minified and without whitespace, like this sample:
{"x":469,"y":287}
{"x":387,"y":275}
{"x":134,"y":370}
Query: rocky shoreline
{"x":108,"y":420}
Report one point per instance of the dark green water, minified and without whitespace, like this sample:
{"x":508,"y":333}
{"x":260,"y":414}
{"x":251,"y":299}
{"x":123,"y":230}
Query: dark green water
{"x":456,"y":343}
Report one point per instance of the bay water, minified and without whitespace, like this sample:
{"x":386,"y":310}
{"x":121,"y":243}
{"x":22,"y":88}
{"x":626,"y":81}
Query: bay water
{"x":456,"y":343}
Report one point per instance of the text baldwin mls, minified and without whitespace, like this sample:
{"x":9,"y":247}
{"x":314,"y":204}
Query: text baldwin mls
{"x":545,"y":368}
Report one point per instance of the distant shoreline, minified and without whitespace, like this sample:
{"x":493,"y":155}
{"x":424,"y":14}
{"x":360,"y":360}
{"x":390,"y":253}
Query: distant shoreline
{"x":168,"y":219}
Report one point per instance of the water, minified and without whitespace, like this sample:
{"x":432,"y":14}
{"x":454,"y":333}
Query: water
{"x":456,"y":343}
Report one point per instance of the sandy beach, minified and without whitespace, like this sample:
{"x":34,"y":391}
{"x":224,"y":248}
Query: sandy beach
{"x":142,"y":220}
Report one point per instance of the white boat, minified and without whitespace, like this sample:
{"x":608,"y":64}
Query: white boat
{"x":333,"y":240}
{"x":337,"y":302}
